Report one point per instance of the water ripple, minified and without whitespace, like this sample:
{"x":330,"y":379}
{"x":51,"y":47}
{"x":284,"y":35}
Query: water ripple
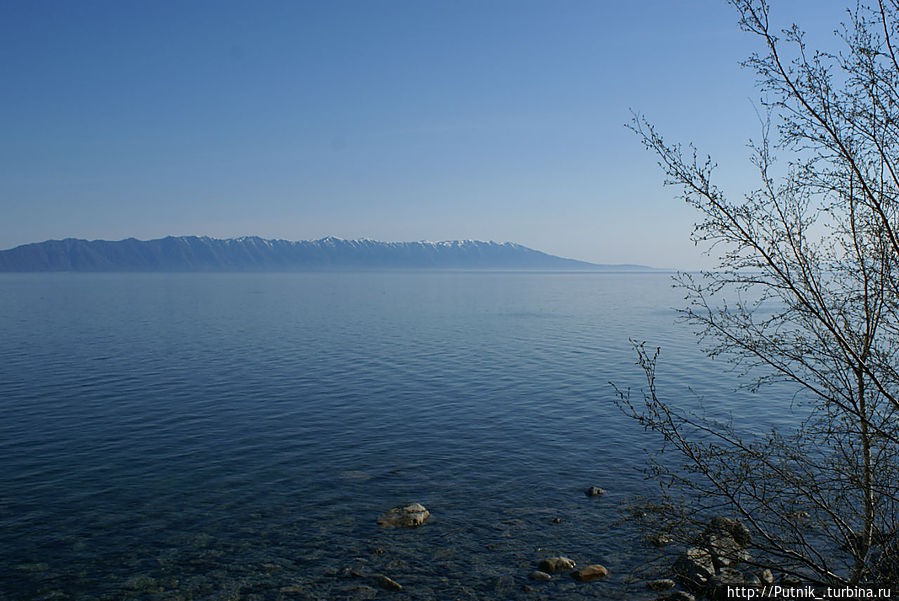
{"x":200,"y":437}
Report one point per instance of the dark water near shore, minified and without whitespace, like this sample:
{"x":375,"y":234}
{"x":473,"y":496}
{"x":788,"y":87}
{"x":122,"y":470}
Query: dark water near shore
{"x":227,"y":436}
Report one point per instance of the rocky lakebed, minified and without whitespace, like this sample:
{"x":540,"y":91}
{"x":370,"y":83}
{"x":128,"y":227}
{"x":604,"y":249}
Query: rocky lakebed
{"x":411,"y":554}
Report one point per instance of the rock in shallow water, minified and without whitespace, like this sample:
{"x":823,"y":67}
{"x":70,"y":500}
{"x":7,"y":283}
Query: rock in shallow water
{"x":694,"y":568}
{"x":362,"y":593}
{"x":733,"y":528}
{"x":388,"y":584}
{"x":662,"y":584}
{"x":539,"y":576}
{"x":404,"y":516}
{"x":590,"y":573}
{"x":551,"y":565}
{"x":660,"y":540}
{"x":594,"y":491}
{"x":33,"y":567}
{"x":677,"y":596}
{"x":722,"y":584}
{"x":141,"y":582}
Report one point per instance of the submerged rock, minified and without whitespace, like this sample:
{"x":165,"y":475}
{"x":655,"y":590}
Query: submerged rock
{"x":362,"y":592}
{"x":662,"y":584}
{"x":726,"y":540}
{"x":725,"y":549}
{"x":352,"y":573}
{"x":293,"y":589}
{"x":677,"y":596}
{"x":752,"y":580}
{"x":660,"y":540}
{"x":590,"y":573}
{"x":736,"y":530}
{"x":404,"y":516}
{"x":721,"y":584}
{"x":141,"y":582}
{"x":388,"y":584}
{"x":539,"y":576}
{"x":694,"y":568}
{"x":355,"y":475}
{"x":34,"y":566}
{"x":551,"y":565}
{"x":710,"y":565}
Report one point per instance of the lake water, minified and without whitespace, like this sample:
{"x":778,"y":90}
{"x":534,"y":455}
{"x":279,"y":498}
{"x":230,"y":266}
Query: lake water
{"x":235,"y":436}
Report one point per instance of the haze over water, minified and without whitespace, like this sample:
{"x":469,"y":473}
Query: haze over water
{"x":236,"y":435}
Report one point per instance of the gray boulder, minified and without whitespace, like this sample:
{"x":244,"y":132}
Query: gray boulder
{"x":539,"y":576}
{"x":725,"y":549}
{"x":739,"y":532}
{"x":551,"y":565}
{"x":726,"y":540}
{"x":694,"y":568}
{"x":404,"y":516}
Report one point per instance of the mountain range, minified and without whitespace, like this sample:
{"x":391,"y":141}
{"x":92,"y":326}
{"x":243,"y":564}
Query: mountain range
{"x":251,"y":253}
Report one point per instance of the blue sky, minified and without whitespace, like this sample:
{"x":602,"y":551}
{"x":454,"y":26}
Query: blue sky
{"x":394,"y":120}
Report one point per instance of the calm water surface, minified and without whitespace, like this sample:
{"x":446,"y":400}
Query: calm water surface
{"x":235,"y":436}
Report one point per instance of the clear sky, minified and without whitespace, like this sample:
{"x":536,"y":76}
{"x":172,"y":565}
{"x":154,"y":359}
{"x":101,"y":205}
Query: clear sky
{"x":393,"y":120}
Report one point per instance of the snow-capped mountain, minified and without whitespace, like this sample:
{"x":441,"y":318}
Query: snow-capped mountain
{"x":251,"y":253}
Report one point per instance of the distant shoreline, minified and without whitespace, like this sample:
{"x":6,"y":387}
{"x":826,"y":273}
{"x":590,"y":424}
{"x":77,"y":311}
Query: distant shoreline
{"x":194,"y":254}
